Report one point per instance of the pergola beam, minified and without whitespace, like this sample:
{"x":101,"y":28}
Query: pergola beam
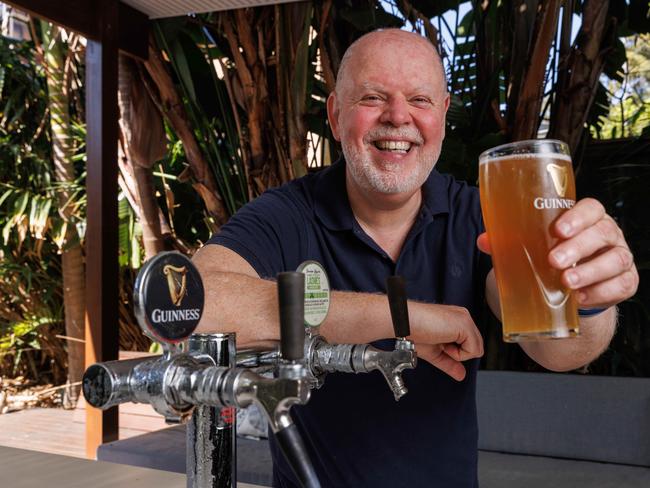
{"x":83,"y":17}
{"x":102,"y":268}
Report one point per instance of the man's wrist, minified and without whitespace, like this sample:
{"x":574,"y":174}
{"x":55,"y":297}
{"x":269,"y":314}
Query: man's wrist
{"x":590,"y":312}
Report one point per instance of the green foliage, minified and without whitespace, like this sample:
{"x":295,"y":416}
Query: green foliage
{"x":30,"y":310}
{"x":131,"y":251}
{"x":31,"y":304}
{"x":194,"y":56}
{"x":625,"y":102}
{"x":178,"y":200}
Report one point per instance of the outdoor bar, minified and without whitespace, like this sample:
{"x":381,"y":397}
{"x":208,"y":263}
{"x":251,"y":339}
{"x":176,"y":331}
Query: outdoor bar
{"x":214,"y":402}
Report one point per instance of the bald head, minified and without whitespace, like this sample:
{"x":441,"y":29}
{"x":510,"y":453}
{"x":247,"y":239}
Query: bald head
{"x":379,"y":41}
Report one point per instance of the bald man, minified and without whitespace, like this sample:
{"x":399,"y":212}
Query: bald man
{"x":380,"y":210}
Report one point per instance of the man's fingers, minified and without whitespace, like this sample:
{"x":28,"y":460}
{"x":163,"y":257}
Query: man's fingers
{"x":603,"y":234}
{"x":609,"y":292}
{"x":605,"y":273}
{"x":603,"y":267}
{"x":458,"y":353}
{"x":455,"y":326}
{"x":435,"y":355}
{"x":584,"y":214}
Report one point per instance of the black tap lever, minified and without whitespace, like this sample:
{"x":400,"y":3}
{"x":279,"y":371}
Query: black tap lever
{"x":291,"y":299}
{"x":396,"y":291}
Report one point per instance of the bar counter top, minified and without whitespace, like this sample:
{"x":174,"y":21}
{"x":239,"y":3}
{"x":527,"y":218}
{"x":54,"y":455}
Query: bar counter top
{"x":21,"y":468}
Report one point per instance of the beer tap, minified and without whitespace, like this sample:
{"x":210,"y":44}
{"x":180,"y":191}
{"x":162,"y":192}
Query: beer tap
{"x":323,"y":357}
{"x":362,"y":358}
{"x":183,"y":384}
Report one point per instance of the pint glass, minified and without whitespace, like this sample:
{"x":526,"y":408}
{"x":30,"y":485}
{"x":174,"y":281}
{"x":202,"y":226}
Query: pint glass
{"x":525,"y":186}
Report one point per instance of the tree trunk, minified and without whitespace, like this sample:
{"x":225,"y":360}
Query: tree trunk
{"x":172,"y":108}
{"x":143,"y":138}
{"x":297,"y":21}
{"x":72,"y":253}
{"x":251,"y":75}
{"x":583,"y":70}
{"x":526,"y":121}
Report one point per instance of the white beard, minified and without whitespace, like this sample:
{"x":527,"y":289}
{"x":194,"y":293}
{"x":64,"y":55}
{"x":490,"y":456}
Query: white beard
{"x":386,"y":177}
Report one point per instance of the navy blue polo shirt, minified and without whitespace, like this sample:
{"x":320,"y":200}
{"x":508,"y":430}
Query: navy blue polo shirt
{"x":356,"y":433}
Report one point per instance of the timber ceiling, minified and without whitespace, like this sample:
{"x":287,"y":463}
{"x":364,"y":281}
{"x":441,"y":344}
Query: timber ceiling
{"x":157,"y":9}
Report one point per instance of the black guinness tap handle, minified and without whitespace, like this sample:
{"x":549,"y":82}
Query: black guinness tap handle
{"x":396,"y":290}
{"x":296,"y":455}
{"x":291,"y":297}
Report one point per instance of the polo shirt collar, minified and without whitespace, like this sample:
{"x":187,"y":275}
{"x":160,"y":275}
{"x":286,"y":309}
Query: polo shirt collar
{"x":332,"y":206}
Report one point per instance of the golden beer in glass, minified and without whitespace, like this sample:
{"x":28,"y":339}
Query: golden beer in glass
{"x":525,"y":186}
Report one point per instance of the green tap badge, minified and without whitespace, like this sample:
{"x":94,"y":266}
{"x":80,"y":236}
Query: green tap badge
{"x":317,"y":293}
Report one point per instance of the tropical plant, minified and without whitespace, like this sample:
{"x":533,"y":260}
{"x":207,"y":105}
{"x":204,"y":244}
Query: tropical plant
{"x":628,"y":115}
{"x":42,"y":212}
{"x":30,"y":300}
{"x":60,"y":63}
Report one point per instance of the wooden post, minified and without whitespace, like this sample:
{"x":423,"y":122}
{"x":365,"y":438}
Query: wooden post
{"x":102,"y":292}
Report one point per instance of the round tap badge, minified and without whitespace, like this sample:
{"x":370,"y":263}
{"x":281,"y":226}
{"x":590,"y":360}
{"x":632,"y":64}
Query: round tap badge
{"x":317,"y":293}
{"x":168,"y":296}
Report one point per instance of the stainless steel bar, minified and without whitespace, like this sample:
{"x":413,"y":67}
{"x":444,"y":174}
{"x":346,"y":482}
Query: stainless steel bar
{"x":211,"y":440}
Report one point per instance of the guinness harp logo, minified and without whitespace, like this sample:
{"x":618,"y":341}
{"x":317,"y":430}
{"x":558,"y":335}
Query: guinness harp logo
{"x":177,"y":282}
{"x":560,"y":178}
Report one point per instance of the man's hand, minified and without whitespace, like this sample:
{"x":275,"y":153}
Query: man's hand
{"x":592,"y":254}
{"x":444,"y":336}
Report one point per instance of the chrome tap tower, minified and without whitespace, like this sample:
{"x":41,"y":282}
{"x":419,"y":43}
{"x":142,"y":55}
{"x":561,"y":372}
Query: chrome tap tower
{"x":203,"y":384}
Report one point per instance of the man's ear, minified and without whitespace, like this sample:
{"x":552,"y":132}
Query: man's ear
{"x":333,"y":115}
{"x":447,"y":102}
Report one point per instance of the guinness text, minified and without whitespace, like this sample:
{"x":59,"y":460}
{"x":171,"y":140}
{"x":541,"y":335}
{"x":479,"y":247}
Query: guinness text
{"x":542,"y":203}
{"x":162,"y":316}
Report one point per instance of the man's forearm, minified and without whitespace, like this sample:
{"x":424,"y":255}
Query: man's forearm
{"x":564,"y":354}
{"x":246,"y":305}
{"x":596,"y":332}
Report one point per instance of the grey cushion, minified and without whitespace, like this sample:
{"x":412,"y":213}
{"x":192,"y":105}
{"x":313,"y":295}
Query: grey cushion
{"x":567,"y":416}
{"x":514,"y":471}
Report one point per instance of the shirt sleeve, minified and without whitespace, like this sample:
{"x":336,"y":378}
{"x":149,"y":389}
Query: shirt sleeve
{"x":267,"y":232}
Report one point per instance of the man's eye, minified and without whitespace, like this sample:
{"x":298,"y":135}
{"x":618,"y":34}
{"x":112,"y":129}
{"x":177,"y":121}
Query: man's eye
{"x":371,"y":98}
{"x":421,"y":100}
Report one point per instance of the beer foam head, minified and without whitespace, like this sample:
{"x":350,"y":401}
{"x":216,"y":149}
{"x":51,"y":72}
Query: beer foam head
{"x":530,"y":149}
{"x":524,"y":157}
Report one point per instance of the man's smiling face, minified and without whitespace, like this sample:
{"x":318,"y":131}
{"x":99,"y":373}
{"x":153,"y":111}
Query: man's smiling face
{"x":389,"y":111}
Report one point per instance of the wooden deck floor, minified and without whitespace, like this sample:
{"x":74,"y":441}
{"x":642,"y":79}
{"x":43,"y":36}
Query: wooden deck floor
{"x":58,"y":431}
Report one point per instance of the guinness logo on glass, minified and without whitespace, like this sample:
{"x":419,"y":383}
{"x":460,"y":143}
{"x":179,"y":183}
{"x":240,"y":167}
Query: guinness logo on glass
{"x":177,"y":282}
{"x":560,"y":178}
{"x":168,"y":297}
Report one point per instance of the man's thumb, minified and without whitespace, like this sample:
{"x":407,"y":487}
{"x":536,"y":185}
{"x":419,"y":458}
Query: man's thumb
{"x":483,"y":243}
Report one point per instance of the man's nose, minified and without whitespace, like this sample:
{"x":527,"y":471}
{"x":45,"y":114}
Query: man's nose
{"x":397,"y":112}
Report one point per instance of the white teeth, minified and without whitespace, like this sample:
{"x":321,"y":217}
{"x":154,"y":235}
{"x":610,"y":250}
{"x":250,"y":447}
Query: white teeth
{"x":393,"y":145}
